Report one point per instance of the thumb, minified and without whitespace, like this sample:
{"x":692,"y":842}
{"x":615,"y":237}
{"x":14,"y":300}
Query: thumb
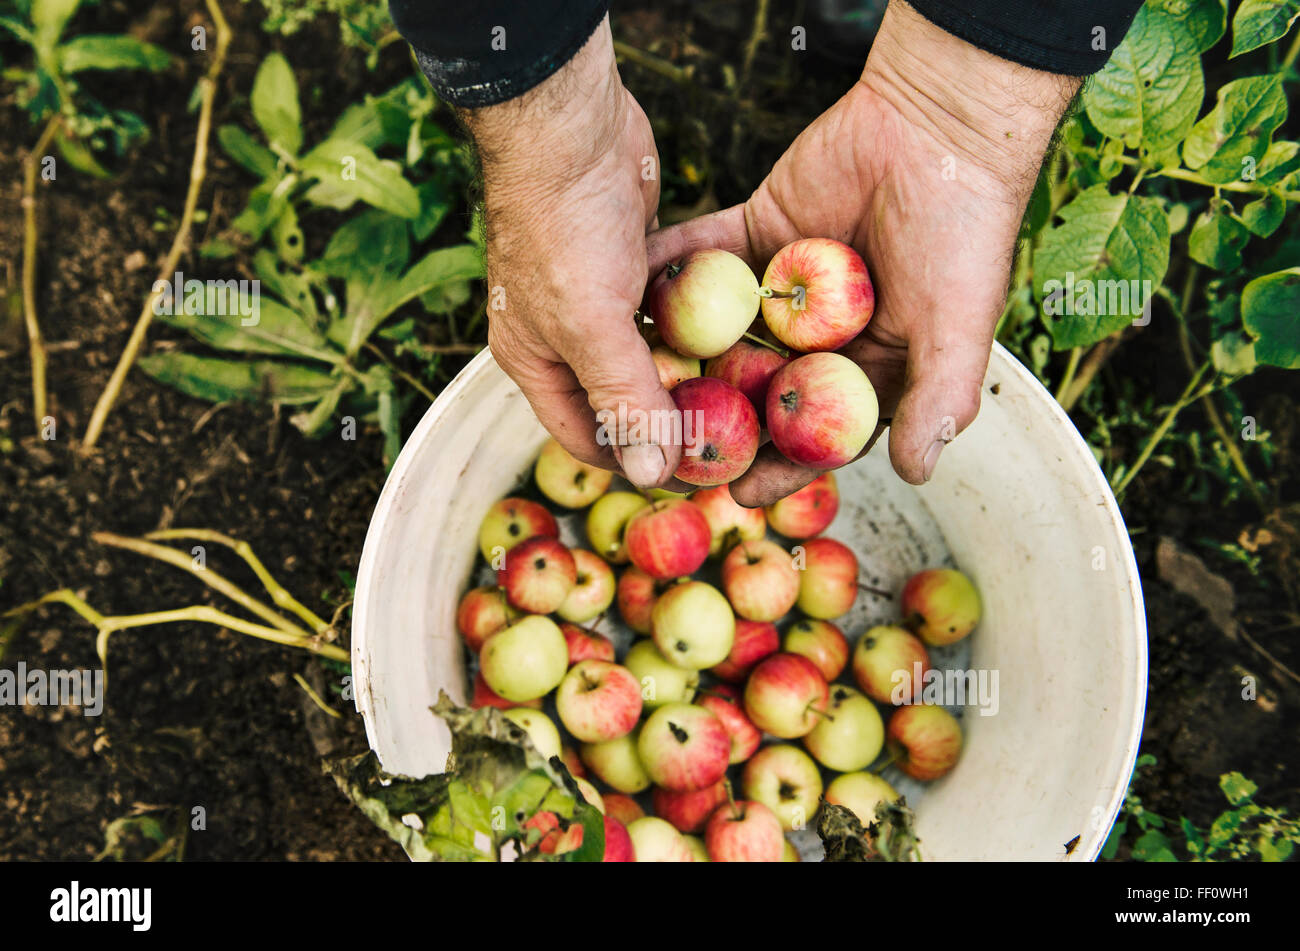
{"x":941,"y":397}
{"x":636,"y":416}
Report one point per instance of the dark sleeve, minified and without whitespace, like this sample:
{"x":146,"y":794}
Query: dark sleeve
{"x":1058,"y":36}
{"x":482,"y":52}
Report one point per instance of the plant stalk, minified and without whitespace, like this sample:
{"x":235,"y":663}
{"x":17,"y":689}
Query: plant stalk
{"x":1190,"y":395}
{"x":198,"y":171}
{"x":35,"y":342}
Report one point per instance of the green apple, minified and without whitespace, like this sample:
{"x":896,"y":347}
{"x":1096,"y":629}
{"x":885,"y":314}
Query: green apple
{"x":566,"y":481}
{"x":606,"y":520}
{"x":860,"y":793}
{"x":590,"y":793}
{"x":851,"y":734}
{"x":539,"y":727}
{"x":593,"y":588}
{"x":617,"y":764}
{"x":696,"y":845}
{"x":661,"y":680}
{"x":786,"y":780}
{"x":654,"y":840}
{"x":693,"y":625}
{"x":525,"y":661}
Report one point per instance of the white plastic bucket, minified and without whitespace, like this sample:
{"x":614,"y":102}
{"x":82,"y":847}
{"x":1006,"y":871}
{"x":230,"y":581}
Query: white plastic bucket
{"x":1018,"y":502}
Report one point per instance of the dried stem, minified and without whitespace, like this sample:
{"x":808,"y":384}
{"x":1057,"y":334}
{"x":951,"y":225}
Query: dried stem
{"x":35,"y":342}
{"x":198,"y":171}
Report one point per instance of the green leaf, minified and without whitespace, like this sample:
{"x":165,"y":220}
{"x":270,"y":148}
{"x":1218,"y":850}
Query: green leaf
{"x":1217,"y":238}
{"x":218,"y":380}
{"x":1259,"y":22}
{"x":1114,"y":839}
{"x":1237,"y":789}
{"x":313,"y":423}
{"x":50,"y":17}
{"x":272,"y":329}
{"x":111,"y":52}
{"x":1150,"y":90}
{"x":1264,"y":215}
{"x":1281,"y":159}
{"x":76,"y":154}
{"x":349,"y":172}
{"x":1153,"y":847}
{"x":446,"y":298}
{"x":1274,"y":851}
{"x":373,"y":240}
{"x":1270,"y":312}
{"x":266,"y":203}
{"x":1233,"y":354}
{"x":275,"y":103}
{"x":1095,"y":272}
{"x":454,"y":265}
{"x":245,"y":151}
{"x":435,"y":202}
{"x":1235,"y":135}
{"x":293,"y":287}
{"x":287,"y":236}
{"x":1206,"y":20}
{"x":1195,"y":841}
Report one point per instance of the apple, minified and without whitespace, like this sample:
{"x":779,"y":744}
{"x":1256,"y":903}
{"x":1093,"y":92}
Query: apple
{"x":590,"y":793}
{"x":760,"y":580}
{"x":623,"y":808}
{"x":785,"y":695}
{"x":654,"y":840}
{"x":753,"y":641}
{"x":749,"y":367}
{"x":699,"y":850}
{"x":569,"y":756}
{"x":606,"y":520}
{"x":511,"y":521}
{"x":598,"y":701}
{"x":724,"y":703}
{"x":618,"y":843}
{"x":692,"y":625}
{"x":545,"y":737}
{"x":719,"y":431}
{"x":593,"y":588}
{"x":821,"y":410}
{"x":821,"y":642}
{"x":925,"y":740}
{"x":790,"y":854}
{"x":828,"y":585}
{"x":673,"y":367}
{"x":884,"y":663}
{"x":481,"y":613}
{"x":823,"y":298}
{"x":860,"y":793}
{"x":744,"y":832}
{"x":729,"y":521}
{"x":684,"y":747}
{"x":554,"y":840}
{"x":538,"y":575}
{"x":616,"y":763}
{"x":940,"y":605}
{"x":525,"y":661}
{"x":702,"y":304}
{"x":689,"y":811}
{"x":485,"y":696}
{"x":636,"y":595}
{"x":566,"y":481}
{"x":668,"y":539}
{"x":851,"y":735}
{"x":807,"y":512}
{"x":586,"y":645}
{"x":661,"y":680}
{"x":786,"y":780}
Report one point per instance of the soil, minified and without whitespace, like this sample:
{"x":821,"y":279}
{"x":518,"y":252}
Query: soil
{"x":200,"y":716}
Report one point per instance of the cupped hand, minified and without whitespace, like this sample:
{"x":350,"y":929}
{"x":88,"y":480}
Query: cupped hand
{"x":570,"y":175}
{"x":925,"y":167}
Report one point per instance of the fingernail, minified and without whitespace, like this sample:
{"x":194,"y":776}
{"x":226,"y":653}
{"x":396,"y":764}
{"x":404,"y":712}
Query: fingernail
{"x":932,"y":458}
{"x":643,"y":464}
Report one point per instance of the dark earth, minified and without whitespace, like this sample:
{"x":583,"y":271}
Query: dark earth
{"x":201,"y":716}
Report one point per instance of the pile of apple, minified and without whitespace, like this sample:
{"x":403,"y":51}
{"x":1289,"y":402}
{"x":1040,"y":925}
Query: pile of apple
{"x":710,"y":674}
{"x":818,"y":407}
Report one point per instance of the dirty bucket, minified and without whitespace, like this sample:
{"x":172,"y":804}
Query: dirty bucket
{"x":1018,"y":503}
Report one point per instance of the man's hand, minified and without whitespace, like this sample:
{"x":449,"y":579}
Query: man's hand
{"x":571,"y":184}
{"x":925,"y":167}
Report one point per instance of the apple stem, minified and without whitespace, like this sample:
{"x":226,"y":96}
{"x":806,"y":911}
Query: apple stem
{"x":769,"y":294}
{"x":821,"y":713}
{"x":731,"y":800}
{"x":878,"y":592}
{"x":764,"y":343}
{"x":893,"y":755}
